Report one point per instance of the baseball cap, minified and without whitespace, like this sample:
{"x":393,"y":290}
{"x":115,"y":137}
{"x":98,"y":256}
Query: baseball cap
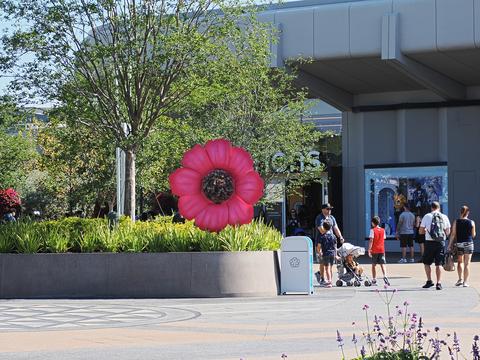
{"x":327,"y":206}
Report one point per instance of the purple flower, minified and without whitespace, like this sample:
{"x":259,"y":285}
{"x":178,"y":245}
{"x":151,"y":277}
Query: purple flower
{"x":339,"y":339}
{"x":437,"y":346}
{"x":437,"y":329}
{"x":475,"y":348}
{"x":284,"y":356}
{"x":406,"y":303}
{"x":395,"y":290}
{"x":365,"y":307}
{"x":385,"y":286}
{"x":376,"y":321}
{"x":456,"y":343}
{"x":363,"y":352}
{"x":354,"y":339}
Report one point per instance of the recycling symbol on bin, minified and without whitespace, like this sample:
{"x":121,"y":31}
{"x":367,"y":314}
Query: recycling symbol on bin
{"x":294,"y":262}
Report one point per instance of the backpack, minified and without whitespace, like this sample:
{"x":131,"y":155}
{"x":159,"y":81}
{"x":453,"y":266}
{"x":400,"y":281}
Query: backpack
{"x":437,"y":228}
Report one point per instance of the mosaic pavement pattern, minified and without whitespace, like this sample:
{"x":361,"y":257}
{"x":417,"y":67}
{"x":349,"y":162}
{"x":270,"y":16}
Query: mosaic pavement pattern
{"x":41,"y":317}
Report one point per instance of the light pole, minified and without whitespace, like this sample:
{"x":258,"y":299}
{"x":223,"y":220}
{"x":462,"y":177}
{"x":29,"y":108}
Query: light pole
{"x":120,"y":171}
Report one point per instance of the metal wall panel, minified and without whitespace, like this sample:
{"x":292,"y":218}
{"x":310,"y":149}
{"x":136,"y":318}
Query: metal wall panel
{"x":417,"y":25}
{"x":380,"y":137}
{"x":331,"y":38}
{"x":455,"y":25}
{"x":366,"y":27}
{"x":297,"y":32}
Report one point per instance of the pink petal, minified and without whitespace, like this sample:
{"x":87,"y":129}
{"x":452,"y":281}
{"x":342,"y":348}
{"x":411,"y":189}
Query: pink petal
{"x":191,"y":205}
{"x":213,"y":218}
{"x":239,"y":212}
{"x":240,"y":162}
{"x":219,"y":153}
{"x":197,"y":159}
{"x":185,"y":181}
{"x":249,"y":187}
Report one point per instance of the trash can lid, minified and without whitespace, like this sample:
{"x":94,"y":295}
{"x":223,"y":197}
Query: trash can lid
{"x":296,"y":243}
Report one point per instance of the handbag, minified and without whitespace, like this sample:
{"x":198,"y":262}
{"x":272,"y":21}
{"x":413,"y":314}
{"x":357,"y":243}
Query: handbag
{"x":449,"y":261}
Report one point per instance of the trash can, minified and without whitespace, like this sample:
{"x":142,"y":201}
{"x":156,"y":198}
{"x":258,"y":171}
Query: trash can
{"x":296,"y":265}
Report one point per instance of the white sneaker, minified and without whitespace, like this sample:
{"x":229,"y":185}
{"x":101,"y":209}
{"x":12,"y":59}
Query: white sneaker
{"x":465,"y":285}
{"x":412,"y":260}
{"x":402,"y":261}
{"x":459,"y":282}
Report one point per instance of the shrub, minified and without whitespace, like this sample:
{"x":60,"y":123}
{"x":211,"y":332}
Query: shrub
{"x":8,"y":237}
{"x":9,"y":200}
{"x":160,"y":235}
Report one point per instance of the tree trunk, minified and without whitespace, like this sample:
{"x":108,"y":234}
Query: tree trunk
{"x":130,"y":183}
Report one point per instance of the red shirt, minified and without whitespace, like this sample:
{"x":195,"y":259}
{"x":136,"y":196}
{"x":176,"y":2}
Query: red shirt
{"x":378,"y":235}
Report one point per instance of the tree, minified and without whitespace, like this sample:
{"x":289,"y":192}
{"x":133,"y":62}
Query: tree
{"x":17,"y":147}
{"x":259,"y":108}
{"x":80,"y":166}
{"x":129,"y":61}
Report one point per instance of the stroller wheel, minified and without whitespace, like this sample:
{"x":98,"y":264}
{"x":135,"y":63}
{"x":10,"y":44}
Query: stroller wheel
{"x":367,"y":283}
{"x":349,"y":283}
{"x":356,"y":283}
{"x":339,"y":283}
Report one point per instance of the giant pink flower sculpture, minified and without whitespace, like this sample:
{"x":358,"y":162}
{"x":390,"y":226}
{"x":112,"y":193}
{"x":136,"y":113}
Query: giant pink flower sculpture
{"x":217,"y":185}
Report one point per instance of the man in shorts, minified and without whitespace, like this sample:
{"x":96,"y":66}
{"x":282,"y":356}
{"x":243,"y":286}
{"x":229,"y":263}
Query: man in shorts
{"x":405,"y":232}
{"x":434,"y":247}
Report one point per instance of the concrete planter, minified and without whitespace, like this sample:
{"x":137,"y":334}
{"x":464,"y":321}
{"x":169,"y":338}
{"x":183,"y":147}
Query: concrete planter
{"x":143,"y":275}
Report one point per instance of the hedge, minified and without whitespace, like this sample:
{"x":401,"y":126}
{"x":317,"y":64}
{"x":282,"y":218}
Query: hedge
{"x":160,"y":235}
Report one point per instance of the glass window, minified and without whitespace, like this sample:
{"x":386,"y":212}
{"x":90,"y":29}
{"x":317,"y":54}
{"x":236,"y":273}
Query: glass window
{"x":387,"y":190}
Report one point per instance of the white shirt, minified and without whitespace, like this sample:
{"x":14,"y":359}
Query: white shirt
{"x":427,"y":223}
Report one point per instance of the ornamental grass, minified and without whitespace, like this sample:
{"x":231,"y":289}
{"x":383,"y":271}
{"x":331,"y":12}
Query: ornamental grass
{"x":160,"y":235}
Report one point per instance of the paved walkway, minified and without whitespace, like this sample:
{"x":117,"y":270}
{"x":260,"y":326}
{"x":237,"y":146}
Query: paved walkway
{"x":302,"y":327}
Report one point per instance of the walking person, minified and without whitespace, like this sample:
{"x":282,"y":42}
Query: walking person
{"x":405,"y":232}
{"x":436,"y":228}
{"x":463,"y":233}
{"x":325,"y":215}
{"x":376,"y":250}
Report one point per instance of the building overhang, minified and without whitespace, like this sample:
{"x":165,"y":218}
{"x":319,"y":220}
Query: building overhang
{"x":417,"y":50}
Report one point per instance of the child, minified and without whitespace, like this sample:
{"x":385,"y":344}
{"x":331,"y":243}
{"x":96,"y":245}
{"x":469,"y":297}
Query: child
{"x":376,"y":250}
{"x":352,"y":265}
{"x":328,"y":251}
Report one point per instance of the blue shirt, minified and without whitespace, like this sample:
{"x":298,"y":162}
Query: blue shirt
{"x":328,"y":242}
{"x":319,"y":222}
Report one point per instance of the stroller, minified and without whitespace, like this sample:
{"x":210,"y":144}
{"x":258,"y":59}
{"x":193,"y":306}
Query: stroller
{"x":346,"y":274}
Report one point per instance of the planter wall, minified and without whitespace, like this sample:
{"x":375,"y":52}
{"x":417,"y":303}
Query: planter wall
{"x":139,"y":275}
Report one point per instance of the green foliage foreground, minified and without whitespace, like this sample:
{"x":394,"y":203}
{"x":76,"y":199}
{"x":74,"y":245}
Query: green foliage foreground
{"x":161,"y":235}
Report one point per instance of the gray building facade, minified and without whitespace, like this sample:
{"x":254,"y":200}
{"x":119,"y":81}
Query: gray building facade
{"x":406,"y":76}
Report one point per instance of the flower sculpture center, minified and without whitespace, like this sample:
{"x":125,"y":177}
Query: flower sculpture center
{"x":218,"y":186}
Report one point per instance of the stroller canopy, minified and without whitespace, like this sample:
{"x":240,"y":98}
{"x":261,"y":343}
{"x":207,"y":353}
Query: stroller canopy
{"x":350,"y":249}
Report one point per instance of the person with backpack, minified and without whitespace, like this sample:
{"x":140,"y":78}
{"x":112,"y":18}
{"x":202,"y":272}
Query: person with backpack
{"x":436,"y":228}
{"x":463,"y":232}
